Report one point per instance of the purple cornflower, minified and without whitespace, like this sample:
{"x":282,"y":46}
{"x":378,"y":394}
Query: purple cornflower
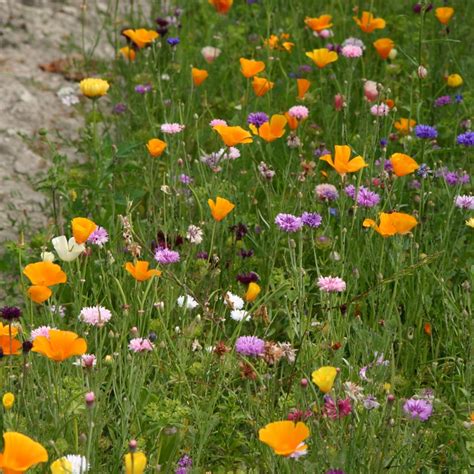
{"x":202,"y":255}
{"x":331,"y":284}
{"x":370,"y":402}
{"x":367,"y":198}
{"x":184,"y":464}
{"x":442,"y":101}
{"x":350,"y":190}
{"x":173,"y":41}
{"x":451,"y":178}
{"x":99,"y":237}
{"x":288,"y":222}
{"x":335,"y":410}
{"x":250,"y":346}
{"x":335,"y":471}
{"x":143,"y":88}
{"x":257,"y":119}
{"x":383,"y":142}
{"x":311,"y":219}
{"x":466,"y":139}
{"x":185,"y":179}
{"x":10,"y":313}
{"x":247,"y":278}
{"x":418,"y":409}
{"x":426,"y":131}
{"x":326,"y":192}
{"x":265,"y":171}
{"x":321,"y":151}
{"x":119,"y":108}
{"x":166,"y":256}
{"x":464,"y":201}
{"x":458,"y":98}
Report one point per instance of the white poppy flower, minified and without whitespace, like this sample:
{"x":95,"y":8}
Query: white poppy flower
{"x":67,"y":250}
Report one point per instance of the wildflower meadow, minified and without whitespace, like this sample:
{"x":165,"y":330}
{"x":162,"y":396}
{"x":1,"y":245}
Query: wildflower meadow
{"x":260,"y":259}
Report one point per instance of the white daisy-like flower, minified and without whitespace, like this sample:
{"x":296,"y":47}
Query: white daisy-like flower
{"x":187,"y":302}
{"x":240,"y":315}
{"x":233,"y":301}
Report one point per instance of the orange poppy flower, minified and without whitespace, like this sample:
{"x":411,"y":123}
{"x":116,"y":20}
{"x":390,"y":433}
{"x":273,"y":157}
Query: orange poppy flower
{"x":39,"y":293}
{"x":128,"y":53}
{"x":285,"y":437}
{"x":444,"y":14}
{"x":10,"y":346}
{"x":303,"y":87}
{"x":261,"y":86}
{"x":82,"y":228}
{"x":60,"y":345}
{"x":404,"y":125}
{"x":220,"y":208}
{"x":275,"y":42}
{"x":156,"y":147}
{"x":427,"y":329}
{"x":271,"y":130}
{"x":320,"y":23}
{"x":20,"y":453}
{"x":221,"y":6}
{"x":199,"y":76}
{"x":232,"y":136}
{"x":392,"y":224}
{"x":292,"y":121}
{"x":342,"y":163}
{"x":250,"y":67}
{"x":6,"y":330}
{"x":390,"y":103}
{"x":368,"y":23}
{"x":403,"y":164}
{"x":140,"y":271}
{"x":44,"y":273}
{"x":253,"y":291}
{"x":383,"y":47}
{"x":322,"y":57}
{"x":141,"y":37}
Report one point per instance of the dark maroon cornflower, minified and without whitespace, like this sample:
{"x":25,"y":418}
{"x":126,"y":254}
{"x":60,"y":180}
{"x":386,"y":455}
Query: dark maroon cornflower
{"x":240,"y":230}
{"x":246,"y":253}
{"x":202,"y":256}
{"x":10,"y":313}
{"x":119,"y":108}
{"x":257,"y":119}
{"x":27,"y":346}
{"x":298,"y":415}
{"x":246,"y":278}
{"x":162,"y":28}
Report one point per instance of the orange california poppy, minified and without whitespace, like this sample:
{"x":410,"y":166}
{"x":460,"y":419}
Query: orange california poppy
{"x":44,"y":273}
{"x":368,"y":23}
{"x":60,"y":345}
{"x":141,"y":37}
{"x":342,"y":162}
{"x":444,"y":14}
{"x":383,"y":47}
{"x":199,"y":76}
{"x":293,"y":122}
{"x":7,"y":330}
{"x":285,"y":437}
{"x":82,"y":228}
{"x":427,"y":329}
{"x":10,"y":346}
{"x":275,"y":42}
{"x":322,"y":57}
{"x":39,"y":293}
{"x":252,"y":292}
{"x":303,"y":87}
{"x":271,"y":130}
{"x":232,"y":136}
{"x":392,"y":224}
{"x":390,"y":103}
{"x":128,"y":53}
{"x":320,"y":23}
{"x":220,"y":208}
{"x":403,"y":164}
{"x":221,"y":6}
{"x":156,"y":147}
{"x":404,"y":125}
{"x":20,"y":453}
{"x":261,"y":86}
{"x":250,"y":67}
{"x":140,"y":271}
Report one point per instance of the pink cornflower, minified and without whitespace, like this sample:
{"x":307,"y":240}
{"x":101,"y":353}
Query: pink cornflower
{"x":140,"y":344}
{"x":215,"y":122}
{"x":95,"y":315}
{"x":172,"y":128}
{"x":87,"y":361}
{"x":380,"y":110}
{"x":166,"y":256}
{"x":352,"y":51}
{"x":40,"y":331}
{"x":371,"y":91}
{"x":335,"y":410}
{"x":331,"y":284}
{"x":299,"y":112}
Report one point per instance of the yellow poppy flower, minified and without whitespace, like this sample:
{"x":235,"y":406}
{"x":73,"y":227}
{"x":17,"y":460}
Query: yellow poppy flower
{"x":324,"y":378}
{"x":322,"y":57}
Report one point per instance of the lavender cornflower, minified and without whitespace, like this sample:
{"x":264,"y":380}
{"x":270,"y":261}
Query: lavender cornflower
{"x":184,"y":465}
{"x":10,"y":313}
{"x":99,"y":237}
{"x":250,"y":346}
{"x":288,"y":222}
{"x":370,"y":402}
{"x":172,"y":128}
{"x":367,"y":198}
{"x":119,"y":108}
{"x":331,"y":284}
{"x":353,"y":42}
{"x":185,"y":179}
{"x":326,"y":192}
{"x":426,"y":131}
{"x":423,"y":171}
{"x":351,"y":51}
{"x":143,"y":88}
{"x":442,"y":101}
{"x":466,"y":139}
{"x":257,"y":119}
{"x":350,"y":190}
{"x":464,"y":201}
{"x":299,"y":112}
{"x":451,"y":178}
{"x":166,"y":256}
{"x":311,"y":219}
{"x":418,"y":409}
